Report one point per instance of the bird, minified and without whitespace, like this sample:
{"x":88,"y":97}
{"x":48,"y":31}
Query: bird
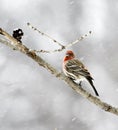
{"x":74,"y":69}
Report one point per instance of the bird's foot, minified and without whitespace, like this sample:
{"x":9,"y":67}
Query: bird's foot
{"x":80,"y":83}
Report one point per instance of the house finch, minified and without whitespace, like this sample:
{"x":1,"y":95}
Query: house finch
{"x":74,"y":69}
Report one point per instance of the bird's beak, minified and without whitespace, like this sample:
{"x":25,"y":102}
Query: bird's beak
{"x":67,"y":54}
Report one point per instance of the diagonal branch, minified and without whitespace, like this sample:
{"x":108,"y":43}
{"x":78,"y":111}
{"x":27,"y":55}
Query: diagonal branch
{"x":22,"y":48}
{"x":42,"y":33}
{"x":7,"y":43}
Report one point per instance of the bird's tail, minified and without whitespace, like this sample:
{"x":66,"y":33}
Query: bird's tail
{"x":91,"y":83}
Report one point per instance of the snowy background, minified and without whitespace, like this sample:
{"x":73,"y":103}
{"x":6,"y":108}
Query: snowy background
{"x":33,"y":99}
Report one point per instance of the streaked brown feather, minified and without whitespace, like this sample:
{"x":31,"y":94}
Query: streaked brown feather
{"x":77,"y":68}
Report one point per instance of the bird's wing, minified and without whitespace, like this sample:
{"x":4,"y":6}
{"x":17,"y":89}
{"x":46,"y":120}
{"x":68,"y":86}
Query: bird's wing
{"x":77,"y":68}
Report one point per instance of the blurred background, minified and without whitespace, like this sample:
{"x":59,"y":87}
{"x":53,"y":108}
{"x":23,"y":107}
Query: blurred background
{"x":33,"y":99}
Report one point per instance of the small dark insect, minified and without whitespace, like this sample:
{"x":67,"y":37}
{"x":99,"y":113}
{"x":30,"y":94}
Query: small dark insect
{"x":17,"y":34}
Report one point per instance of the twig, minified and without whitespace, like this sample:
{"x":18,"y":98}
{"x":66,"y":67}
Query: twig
{"x":78,"y":40}
{"x":44,"y":64}
{"x":44,"y":34}
{"x":55,"y":41}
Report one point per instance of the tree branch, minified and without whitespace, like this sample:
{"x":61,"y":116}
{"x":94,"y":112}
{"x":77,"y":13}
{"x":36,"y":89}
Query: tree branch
{"x":63,"y":47}
{"x":30,"y":53}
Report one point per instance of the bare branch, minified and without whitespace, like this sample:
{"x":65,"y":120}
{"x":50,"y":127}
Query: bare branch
{"x":78,"y":40}
{"x":63,"y":47}
{"x":44,"y":34}
{"x":44,"y":64}
{"x":7,"y":43}
{"x":46,"y":51}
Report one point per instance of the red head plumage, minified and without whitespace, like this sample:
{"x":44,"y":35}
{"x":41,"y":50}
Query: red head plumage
{"x":69,"y":55}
